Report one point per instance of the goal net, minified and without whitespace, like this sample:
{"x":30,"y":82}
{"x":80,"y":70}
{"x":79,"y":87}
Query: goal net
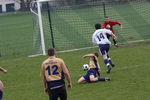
{"x":68,"y":25}
{"x":58,"y":24}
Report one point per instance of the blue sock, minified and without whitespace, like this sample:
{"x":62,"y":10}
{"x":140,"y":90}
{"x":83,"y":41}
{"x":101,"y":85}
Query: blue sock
{"x":1,"y":94}
{"x":106,"y":61}
{"x":109,"y":59}
{"x":104,"y":79}
{"x":101,"y":79}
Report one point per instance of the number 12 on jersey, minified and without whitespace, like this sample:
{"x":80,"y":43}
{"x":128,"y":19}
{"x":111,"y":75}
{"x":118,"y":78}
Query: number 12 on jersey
{"x":100,"y":36}
{"x":52,"y":70}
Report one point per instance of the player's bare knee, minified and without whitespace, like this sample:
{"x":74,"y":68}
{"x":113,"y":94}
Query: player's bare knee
{"x":79,"y":81}
{"x":93,"y":79}
{"x":104,"y":56}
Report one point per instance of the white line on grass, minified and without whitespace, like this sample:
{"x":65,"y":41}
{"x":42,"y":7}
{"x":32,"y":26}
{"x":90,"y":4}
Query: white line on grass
{"x":65,"y":51}
{"x":136,"y":41}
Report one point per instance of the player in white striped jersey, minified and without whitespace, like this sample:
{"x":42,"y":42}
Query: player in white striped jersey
{"x":100,"y":38}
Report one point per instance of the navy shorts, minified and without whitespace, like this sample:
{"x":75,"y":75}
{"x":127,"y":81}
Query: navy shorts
{"x":56,"y":89}
{"x":104,"y":48}
{"x":61,"y":93}
{"x":90,"y":72}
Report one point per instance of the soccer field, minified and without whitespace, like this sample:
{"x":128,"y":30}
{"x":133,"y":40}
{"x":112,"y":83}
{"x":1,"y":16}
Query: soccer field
{"x":130,"y":77}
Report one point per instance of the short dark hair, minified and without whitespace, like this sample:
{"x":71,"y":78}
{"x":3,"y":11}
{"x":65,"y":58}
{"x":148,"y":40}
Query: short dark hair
{"x":51,"y":52}
{"x":96,"y":54}
{"x":106,"y":17}
{"x":97,"y":26}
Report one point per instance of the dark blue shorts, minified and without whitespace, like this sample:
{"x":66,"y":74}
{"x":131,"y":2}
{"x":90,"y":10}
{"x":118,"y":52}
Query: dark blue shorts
{"x":58,"y":93}
{"x":104,"y":48}
{"x":57,"y":89}
{"x":90,"y":72}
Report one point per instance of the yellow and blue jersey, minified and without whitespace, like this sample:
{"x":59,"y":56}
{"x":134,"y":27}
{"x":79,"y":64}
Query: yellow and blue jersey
{"x":94,"y":63}
{"x":53,"y":70}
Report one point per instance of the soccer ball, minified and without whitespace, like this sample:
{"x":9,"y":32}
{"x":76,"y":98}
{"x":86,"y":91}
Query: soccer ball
{"x":108,"y":26}
{"x":85,"y":67}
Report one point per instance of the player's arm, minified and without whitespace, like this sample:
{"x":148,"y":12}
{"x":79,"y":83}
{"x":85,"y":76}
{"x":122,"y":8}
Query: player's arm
{"x":67,"y":75}
{"x":93,"y":39}
{"x":121,"y":26}
{"x":113,"y":36}
{"x":118,"y":23}
{"x":44,"y":79}
{"x":103,"y":25}
{"x":88,"y":55}
{"x":110,"y":33}
{"x":3,"y":70}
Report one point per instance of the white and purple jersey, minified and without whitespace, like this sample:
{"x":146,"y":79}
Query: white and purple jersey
{"x":100,"y":36}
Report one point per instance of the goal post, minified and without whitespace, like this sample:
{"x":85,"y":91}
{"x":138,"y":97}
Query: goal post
{"x":35,"y":8}
{"x":41,"y":28}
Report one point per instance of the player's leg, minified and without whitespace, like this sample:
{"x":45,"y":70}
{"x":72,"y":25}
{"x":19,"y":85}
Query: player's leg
{"x":82,"y":80}
{"x":103,"y":51}
{"x":1,"y":94}
{"x":115,"y":43}
{"x":104,"y":79}
{"x":53,"y":94}
{"x":95,"y":79}
{"x":106,"y":61}
{"x":1,"y":90}
{"x":109,"y":59}
{"x":63,"y":93}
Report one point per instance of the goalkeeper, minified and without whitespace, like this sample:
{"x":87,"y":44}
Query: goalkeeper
{"x":108,"y":24}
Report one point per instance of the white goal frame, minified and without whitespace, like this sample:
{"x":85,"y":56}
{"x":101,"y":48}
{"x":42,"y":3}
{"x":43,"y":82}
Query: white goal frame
{"x":38,"y":13}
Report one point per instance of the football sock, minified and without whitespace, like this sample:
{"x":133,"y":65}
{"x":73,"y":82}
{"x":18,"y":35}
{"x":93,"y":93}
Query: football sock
{"x":101,"y":79}
{"x":107,"y":79}
{"x":109,"y":59}
{"x":106,"y":61}
{"x":1,"y":94}
{"x":114,"y":41}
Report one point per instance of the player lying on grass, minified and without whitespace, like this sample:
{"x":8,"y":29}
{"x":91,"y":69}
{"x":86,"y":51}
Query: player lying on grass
{"x":1,"y":84}
{"x":93,"y":73}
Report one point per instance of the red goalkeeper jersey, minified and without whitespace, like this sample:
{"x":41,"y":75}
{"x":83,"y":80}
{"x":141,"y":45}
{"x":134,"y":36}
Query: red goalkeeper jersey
{"x":111,"y":23}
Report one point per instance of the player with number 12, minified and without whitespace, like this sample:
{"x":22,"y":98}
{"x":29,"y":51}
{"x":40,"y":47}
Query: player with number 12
{"x":53,"y":72}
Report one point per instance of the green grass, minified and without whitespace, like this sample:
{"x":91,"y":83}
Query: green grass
{"x":16,"y":34}
{"x":73,"y":29}
{"x":130,"y":77}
